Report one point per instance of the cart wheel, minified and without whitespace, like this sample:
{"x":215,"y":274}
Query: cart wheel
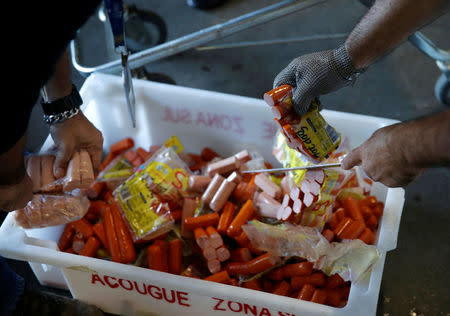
{"x":442,"y":89}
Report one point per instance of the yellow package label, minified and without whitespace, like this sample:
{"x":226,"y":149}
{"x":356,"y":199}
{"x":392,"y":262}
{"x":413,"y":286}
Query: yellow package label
{"x":174,"y":143}
{"x":139,"y":205}
{"x":138,"y":201}
{"x":121,"y":169}
{"x":318,"y":137}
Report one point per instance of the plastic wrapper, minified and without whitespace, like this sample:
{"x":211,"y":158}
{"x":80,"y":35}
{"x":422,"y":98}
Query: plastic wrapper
{"x":116,"y":172}
{"x":159,"y":185}
{"x":79,"y":174}
{"x":316,"y":214}
{"x":51,"y":210}
{"x":351,"y":259}
{"x":309,"y":133}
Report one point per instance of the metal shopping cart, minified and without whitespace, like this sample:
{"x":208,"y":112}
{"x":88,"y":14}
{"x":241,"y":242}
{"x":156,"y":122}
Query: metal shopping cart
{"x":196,"y":39}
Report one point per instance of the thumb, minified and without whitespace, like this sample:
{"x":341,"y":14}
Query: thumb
{"x":63,"y":155}
{"x":301,"y":100}
{"x":352,"y":159}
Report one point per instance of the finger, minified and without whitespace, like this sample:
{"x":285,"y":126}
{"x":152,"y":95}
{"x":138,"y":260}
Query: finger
{"x":63,"y":156}
{"x":352,"y":159}
{"x":301,"y":100}
{"x":96,"y":156}
{"x":286,"y":76}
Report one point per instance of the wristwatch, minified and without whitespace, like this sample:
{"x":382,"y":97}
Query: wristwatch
{"x":62,"y":109}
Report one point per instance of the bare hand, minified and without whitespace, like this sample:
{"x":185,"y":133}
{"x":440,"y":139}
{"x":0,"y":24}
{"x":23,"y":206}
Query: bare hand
{"x":384,"y":159}
{"x":72,"y":135}
{"x":16,"y":196}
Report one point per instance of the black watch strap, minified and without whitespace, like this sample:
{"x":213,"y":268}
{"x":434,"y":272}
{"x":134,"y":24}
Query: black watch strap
{"x":68,"y":103}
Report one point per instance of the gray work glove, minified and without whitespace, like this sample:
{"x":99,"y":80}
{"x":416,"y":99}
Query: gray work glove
{"x":315,"y":74}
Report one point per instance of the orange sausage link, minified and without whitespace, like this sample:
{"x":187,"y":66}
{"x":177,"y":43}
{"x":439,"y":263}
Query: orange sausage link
{"x":91,"y":247}
{"x":223,"y":254}
{"x":226,"y":217}
{"x":111,"y":236}
{"x":143,"y":153}
{"x":220,"y":277}
{"x":99,"y":231}
{"x":110,"y":157}
{"x":241,"y":255}
{"x":96,"y":189}
{"x":97,"y":207}
{"x":377,"y":210}
{"x":319,"y":296}
{"x":366,"y":212}
{"x":298,"y":269}
{"x":78,"y":243}
{"x":176,"y":215}
{"x":66,"y":237}
{"x":126,"y":245}
{"x":175,"y":256}
{"x":277,"y":95}
{"x":208,"y":154}
{"x":83,"y":227}
{"x":328,"y":234}
{"x":372,"y":222}
{"x":342,"y":225}
{"x":352,"y":209}
{"x":367,"y":236}
{"x":203,"y":221}
{"x":370,"y":201}
{"x":201,"y":237}
{"x":154,"y":258}
{"x":121,"y":146}
{"x":253,"y":285}
{"x":276,"y":274}
{"x":282,"y":289}
{"x":214,"y":237}
{"x":316,"y":279}
{"x":162,"y":244}
{"x":334,"y":297}
{"x":306,"y":292}
{"x":334,"y":281}
{"x":242,"y":240}
{"x":353,"y":230}
{"x":254,"y":266}
{"x":246,"y":212}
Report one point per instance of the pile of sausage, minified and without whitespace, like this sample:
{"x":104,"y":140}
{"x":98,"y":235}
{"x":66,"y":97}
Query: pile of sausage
{"x":210,"y":244}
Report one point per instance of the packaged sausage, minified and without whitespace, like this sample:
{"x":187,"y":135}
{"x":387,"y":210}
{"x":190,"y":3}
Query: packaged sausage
{"x":158,"y":186}
{"x":51,"y":210}
{"x":351,"y":259}
{"x":310,"y":134}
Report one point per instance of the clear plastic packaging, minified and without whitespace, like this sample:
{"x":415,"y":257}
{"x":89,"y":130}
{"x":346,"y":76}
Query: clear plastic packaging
{"x":351,"y":259}
{"x":51,"y":210}
{"x":146,"y":197}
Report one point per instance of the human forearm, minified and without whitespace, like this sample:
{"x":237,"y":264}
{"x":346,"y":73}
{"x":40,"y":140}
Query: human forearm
{"x":12,"y":167}
{"x":426,"y":141}
{"x":60,"y":84}
{"x":386,"y":25}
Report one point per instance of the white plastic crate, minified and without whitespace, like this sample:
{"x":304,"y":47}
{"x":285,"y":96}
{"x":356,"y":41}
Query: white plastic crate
{"x":199,"y":118}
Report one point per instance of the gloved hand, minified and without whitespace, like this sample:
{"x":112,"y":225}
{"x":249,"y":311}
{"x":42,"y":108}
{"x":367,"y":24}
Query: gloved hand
{"x":315,"y":74}
{"x":72,"y":135}
{"x":384,"y":157}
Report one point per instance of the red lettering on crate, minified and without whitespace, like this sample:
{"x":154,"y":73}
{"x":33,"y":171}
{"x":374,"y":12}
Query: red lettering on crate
{"x":95,"y":278}
{"x":220,"y":121}
{"x":159,"y":293}
{"x":177,"y":115}
{"x":269,"y":129}
{"x":235,"y":306}
{"x":238,"y":307}
{"x":129,"y":287}
{"x":113,"y":286}
{"x":218,"y":304}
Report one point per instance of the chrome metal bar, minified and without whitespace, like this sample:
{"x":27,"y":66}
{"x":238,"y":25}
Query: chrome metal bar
{"x":329,"y":165}
{"x":427,"y":47}
{"x":274,"y":41}
{"x":200,"y":37}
